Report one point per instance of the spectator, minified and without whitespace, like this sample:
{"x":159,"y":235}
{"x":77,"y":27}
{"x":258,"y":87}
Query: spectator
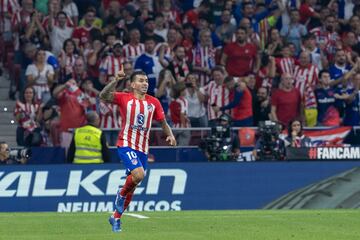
{"x":110,"y":121}
{"x":71,"y":10}
{"x":111,"y":64}
{"x":91,"y":94}
{"x":178,"y":65}
{"x":40,"y":75}
{"x":72,"y":103}
{"x":81,"y":34}
{"x":339,"y":68}
{"x":89,"y":143}
{"x":226,"y":29}
{"x":144,"y":12}
{"x":296,"y":137}
{"x":240,"y":103}
{"x":27,"y":115}
{"x":171,"y":15}
{"x":295,"y":30}
{"x":67,"y":59}
{"x":150,"y":64}
{"x":306,"y":78}
{"x":217,"y":94}
{"x":164,"y":88}
{"x":160,"y":26}
{"x":285,"y":101}
{"x":35,"y":33}
{"x":328,"y":114}
{"x":267,"y":72}
{"x":262,"y":107}
{"x":79,"y":72}
{"x":60,"y":33}
{"x":179,"y":109}
{"x":285,"y":63}
{"x":130,"y":20}
{"x":317,"y":54}
{"x":54,"y":7}
{"x":240,"y":58}
{"x":197,"y":111}
{"x":149,"y":31}
{"x":203,"y":57}
{"x":275,"y":44}
{"x":134,"y":48}
{"x":350,"y":95}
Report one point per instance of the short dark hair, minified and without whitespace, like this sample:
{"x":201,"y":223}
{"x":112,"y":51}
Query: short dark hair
{"x":150,"y":38}
{"x":136,"y":73}
{"x":218,"y":68}
{"x":322,"y":72}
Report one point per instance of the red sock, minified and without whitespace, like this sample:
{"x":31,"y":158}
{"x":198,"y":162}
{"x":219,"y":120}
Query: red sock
{"x":128,"y":187}
{"x":126,"y":204}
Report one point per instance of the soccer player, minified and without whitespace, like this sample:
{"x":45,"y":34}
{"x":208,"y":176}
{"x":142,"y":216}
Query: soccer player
{"x":137,"y":109}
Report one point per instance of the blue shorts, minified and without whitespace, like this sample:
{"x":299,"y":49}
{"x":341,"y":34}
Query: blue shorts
{"x":132,"y":158}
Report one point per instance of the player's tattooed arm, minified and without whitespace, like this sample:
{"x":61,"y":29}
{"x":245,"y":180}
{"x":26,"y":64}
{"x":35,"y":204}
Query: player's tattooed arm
{"x":107,"y":94}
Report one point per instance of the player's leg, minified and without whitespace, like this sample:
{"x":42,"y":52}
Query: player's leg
{"x":132,"y":180}
{"x":136,"y":175}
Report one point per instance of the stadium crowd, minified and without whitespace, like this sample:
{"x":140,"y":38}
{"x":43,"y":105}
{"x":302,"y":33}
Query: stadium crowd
{"x":254,"y":59}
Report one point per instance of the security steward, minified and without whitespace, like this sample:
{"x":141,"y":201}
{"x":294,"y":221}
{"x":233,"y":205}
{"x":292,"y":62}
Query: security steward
{"x":89,"y":143}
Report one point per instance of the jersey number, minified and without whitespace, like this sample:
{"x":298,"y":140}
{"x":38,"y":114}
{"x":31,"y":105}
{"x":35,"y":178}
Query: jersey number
{"x":131,"y":155}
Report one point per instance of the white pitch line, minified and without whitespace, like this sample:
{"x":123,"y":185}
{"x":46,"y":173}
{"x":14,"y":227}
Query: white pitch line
{"x":136,"y":215}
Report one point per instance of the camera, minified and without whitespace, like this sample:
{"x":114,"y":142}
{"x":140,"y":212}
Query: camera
{"x":218,"y":145}
{"x":271,"y":146}
{"x":19,"y":154}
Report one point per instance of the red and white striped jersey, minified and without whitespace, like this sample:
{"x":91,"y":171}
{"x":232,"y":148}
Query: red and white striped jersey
{"x":109,"y":115}
{"x":305,"y":75}
{"x":26,"y":115}
{"x":178,"y":106}
{"x":203,"y":57}
{"x":285,"y":65}
{"x":10,"y":8}
{"x":309,"y":97}
{"x":67,"y":62}
{"x":131,"y":52}
{"x":136,"y":118}
{"x":111,"y":65}
{"x":306,"y":79}
{"x":218,"y":95}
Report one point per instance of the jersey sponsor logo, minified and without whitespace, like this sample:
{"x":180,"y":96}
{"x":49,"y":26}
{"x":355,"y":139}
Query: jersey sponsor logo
{"x":140,"y":119}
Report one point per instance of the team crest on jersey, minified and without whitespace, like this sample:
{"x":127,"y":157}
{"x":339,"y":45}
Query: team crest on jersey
{"x":150,"y":108}
{"x":140,"y":119}
{"x":134,"y":161}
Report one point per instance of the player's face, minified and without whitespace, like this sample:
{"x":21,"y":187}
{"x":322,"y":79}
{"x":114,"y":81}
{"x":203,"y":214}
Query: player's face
{"x":140,"y":84}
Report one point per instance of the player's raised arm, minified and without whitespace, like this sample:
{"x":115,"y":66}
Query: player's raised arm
{"x":107,"y":94}
{"x":169,"y":134}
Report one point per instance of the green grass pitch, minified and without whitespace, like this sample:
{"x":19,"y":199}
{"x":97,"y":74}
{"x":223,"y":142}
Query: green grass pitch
{"x":187,"y":225}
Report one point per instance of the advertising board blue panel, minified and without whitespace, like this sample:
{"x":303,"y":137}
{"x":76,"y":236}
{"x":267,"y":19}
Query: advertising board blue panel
{"x":167,"y":186}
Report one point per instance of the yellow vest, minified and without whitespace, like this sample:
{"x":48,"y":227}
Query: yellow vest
{"x":88,"y":145}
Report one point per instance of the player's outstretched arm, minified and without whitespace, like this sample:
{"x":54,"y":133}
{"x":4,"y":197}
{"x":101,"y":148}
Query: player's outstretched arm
{"x":169,"y":134}
{"x":107,"y":94}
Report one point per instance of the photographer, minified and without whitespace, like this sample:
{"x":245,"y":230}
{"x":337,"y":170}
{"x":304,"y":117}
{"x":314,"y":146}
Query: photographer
{"x":12,"y":157}
{"x":222,"y":144}
{"x":269,"y":146}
